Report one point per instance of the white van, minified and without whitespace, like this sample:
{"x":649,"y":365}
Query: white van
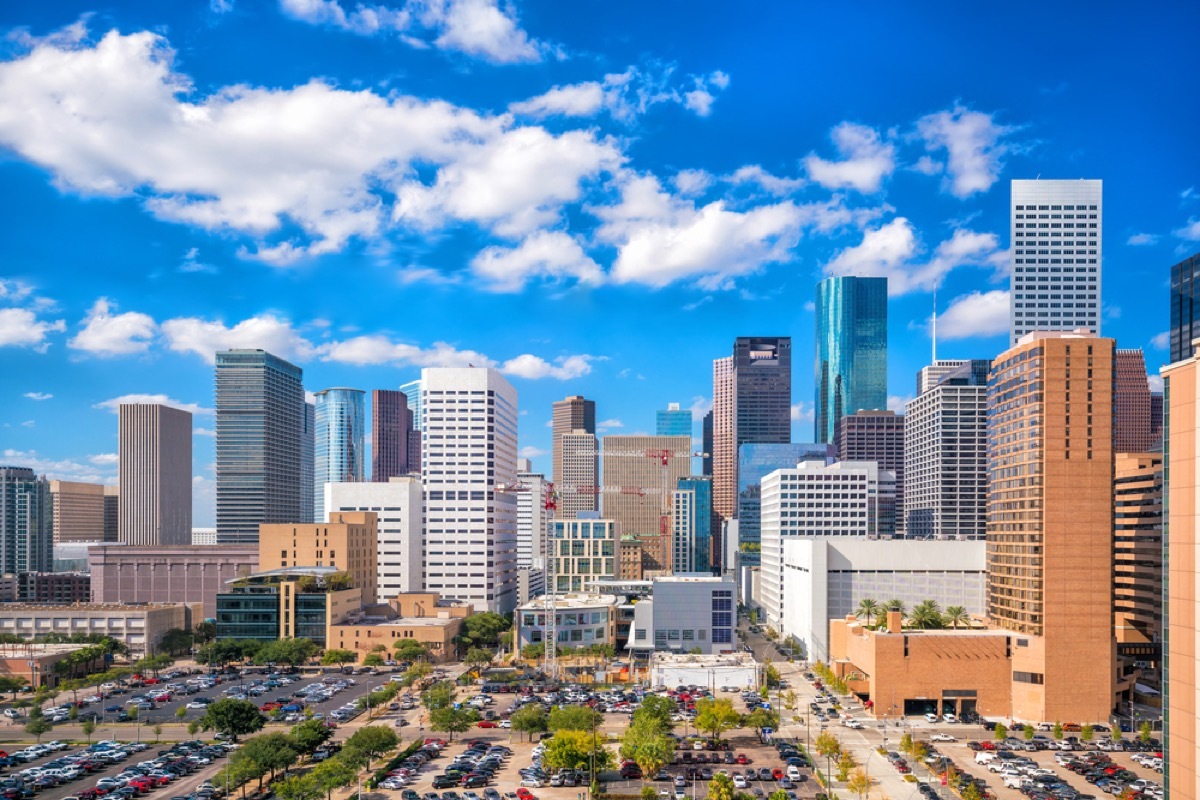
{"x":984,"y":757}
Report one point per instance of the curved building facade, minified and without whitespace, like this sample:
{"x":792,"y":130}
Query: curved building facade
{"x":851,"y":368}
{"x":338,"y":442}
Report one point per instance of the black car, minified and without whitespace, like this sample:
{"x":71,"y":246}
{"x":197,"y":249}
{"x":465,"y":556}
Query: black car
{"x":475,"y":780}
{"x":444,"y":781}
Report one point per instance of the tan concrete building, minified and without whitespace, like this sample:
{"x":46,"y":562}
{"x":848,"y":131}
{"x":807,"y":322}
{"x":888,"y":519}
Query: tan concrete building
{"x":184,"y":574}
{"x":724,"y":438}
{"x":574,"y":459}
{"x":140,"y":627}
{"x":154,"y":462}
{"x":78,"y":511}
{"x":631,"y":559}
{"x":639,"y":474}
{"x":421,"y":616}
{"x":349,"y":541}
{"x":1181,"y":729}
{"x":584,"y":550}
{"x":1138,"y":570}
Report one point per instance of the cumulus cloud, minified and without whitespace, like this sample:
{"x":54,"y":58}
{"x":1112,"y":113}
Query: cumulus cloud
{"x":627,"y":95}
{"x":1161,"y":341}
{"x":477,"y":28}
{"x":20,"y":327}
{"x":700,"y":407}
{"x":1156,"y":383}
{"x":38,"y":395}
{"x":529,"y":451}
{"x":545,"y":254}
{"x":103,"y":459}
{"x":975,"y":315}
{"x":14,"y":291}
{"x":105,"y":333}
{"x":534,"y":367}
{"x":773,"y":184}
{"x":897,"y":403}
{"x":61,"y":469}
{"x":610,"y":423}
{"x":1139,"y":239}
{"x":890,"y":251}
{"x":1191,"y":231}
{"x":974,"y":147}
{"x":114,"y":404}
{"x":803,"y":412}
{"x":377,"y":349}
{"x":867,"y":160}
{"x":206,"y":337}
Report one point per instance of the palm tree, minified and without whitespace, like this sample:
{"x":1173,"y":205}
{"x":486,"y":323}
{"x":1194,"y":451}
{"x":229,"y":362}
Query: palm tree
{"x":868,"y":608}
{"x":955,"y":616}
{"x":925,"y":615}
{"x":894,"y":605}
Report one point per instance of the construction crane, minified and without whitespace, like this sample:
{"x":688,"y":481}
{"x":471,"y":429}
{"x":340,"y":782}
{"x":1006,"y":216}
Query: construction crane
{"x":549,"y":502}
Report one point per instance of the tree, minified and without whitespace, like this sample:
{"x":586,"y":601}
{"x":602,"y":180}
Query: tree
{"x":575,"y":750}
{"x":177,"y":641}
{"x":1087,"y":733}
{"x":1001,"y":732}
{"x":333,"y":773}
{"x":778,"y":794}
{"x":88,"y":727}
{"x":869,"y":609}
{"x":206,"y":631}
{"x":906,"y":743}
{"x":530,"y":719}
{"x":373,"y":660}
{"x":971,"y":792}
{"x":1029,"y":734}
{"x":11,"y":685}
{"x":483,"y":629}
{"x":859,"y":783}
{"x":193,"y":727}
{"x":656,"y":710}
{"x":180,"y":713}
{"x":574,"y":718}
{"x":720,"y":787}
{"x":1145,"y":732}
{"x":409,"y":649}
{"x":37,"y":724}
{"x":269,"y":753}
{"x":714,"y":717}
{"x":233,"y":717}
{"x":894,"y":605}
{"x":771,"y":676}
{"x":827,"y":745}
{"x":287,"y":651}
{"x":478,"y":659}
{"x":373,"y":741}
{"x":452,"y":720}
{"x":439,"y":695}
{"x":335,"y":656}
{"x":339,"y":582}
{"x":157,"y":731}
{"x":760,"y":719}
{"x":649,"y":748}
{"x":1058,"y":731}
{"x":844,"y":766}
{"x":918,"y":751}
{"x":955,"y":616}
{"x":926,"y":615}
{"x":299,"y":787}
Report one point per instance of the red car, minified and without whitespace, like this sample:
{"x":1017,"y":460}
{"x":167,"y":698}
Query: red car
{"x":486,"y":723}
{"x":525,"y":794}
{"x":741,"y":759}
{"x":777,"y":774}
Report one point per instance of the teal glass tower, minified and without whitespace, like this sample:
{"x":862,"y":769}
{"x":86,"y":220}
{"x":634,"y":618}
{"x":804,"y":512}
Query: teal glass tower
{"x":338,"y":442}
{"x":851,"y":362}
{"x":673,"y":421}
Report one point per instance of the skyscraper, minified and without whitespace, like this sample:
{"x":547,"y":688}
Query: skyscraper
{"x":724,"y":439}
{"x":390,"y":425}
{"x":337,"y":443}
{"x":154,"y":465}
{"x":578,"y":476}
{"x":260,"y":424}
{"x":1050,"y":521}
{"x":928,"y":377}
{"x":1057,"y":256}
{"x":470,"y":529}
{"x":1131,"y":404}
{"x":945,"y":457}
{"x":26,"y":522}
{"x":706,"y":444}
{"x":762,"y":377}
{"x":531,"y":519}
{"x":1185,"y":312}
{"x":673,"y":421}
{"x":875,"y":436}
{"x":412,"y":391}
{"x":691,"y":525}
{"x":1138,"y":565}
{"x":398,"y":507}
{"x":572,"y":415}
{"x":308,"y":436}
{"x":78,"y":511}
{"x":639,"y":474}
{"x":755,"y":462}
{"x":851,"y":366}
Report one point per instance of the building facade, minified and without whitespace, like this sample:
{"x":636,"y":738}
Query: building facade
{"x":338,"y":442}
{"x":1138,"y":570}
{"x":390,"y":425}
{"x":1185,"y":312}
{"x":26,"y":522}
{"x":945,"y":456}
{"x":347,"y":542}
{"x":1132,"y":424}
{"x":54,"y":587}
{"x":630,"y":549}
{"x":412,"y":391}
{"x":580,"y":620}
{"x":1050,"y":521}
{"x":1057,"y":247}
{"x":851,"y":364}
{"x":154,"y":462}
{"x":686,"y":612}
{"x":399,"y":507}
{"x":576,"y":462}
{"x":691,"y":526}
{"x":875,"y":436}
{"x":138,"y":627}
{"x":531,"y":519}
{"x":585,"y":550}
{"x":308,"y":488}
{"x":260,"y":424}
{"x":724,"y":439}
{"x":470,"y":529}
{"x":673,"y":421}
{"x":930,"y":376}
{"x":191,"y":574}
{"x":639,"y":474}
{"x":755,"y":461}
{"x":78,"y":510}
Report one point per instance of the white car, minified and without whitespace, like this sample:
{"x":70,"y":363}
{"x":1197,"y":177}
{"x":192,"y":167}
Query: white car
{"x":853,"y":724}
{"x":739,"y":782}
{"x":949,"y":718}
{"x":504,"y":723}
{"x":942,"y":737}
{"x":197,"y":704}
{"x":931,"y":717}
{"x":531,"y":783}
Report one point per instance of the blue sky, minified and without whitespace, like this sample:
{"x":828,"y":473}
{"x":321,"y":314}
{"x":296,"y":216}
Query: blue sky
{"x":595,"y":197}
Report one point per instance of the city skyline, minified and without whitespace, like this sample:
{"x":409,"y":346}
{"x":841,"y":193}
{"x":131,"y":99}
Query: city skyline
{"x":556,"y":285}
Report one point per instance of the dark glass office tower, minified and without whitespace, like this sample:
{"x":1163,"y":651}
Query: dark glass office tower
{"x":1185,"y":313}
{"x":260,"y":420}
{"x":851,"y":363}
{"x":762,"y":380}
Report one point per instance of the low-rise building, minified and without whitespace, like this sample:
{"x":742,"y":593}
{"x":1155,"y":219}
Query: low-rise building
{"x":167,"y":573}
{"x":54,"y":587}
{"x":583,"y":550}
{"x":581,"y":620}
{"x":713,"y":672}
{"x":35,"y":662}
{"x":287,"y":603}
{"x":139,"y":627}
{"x":686,"y":613}
{"x":362,"y":633}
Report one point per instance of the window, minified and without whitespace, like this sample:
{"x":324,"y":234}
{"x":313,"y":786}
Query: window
{"x":722,"y":636}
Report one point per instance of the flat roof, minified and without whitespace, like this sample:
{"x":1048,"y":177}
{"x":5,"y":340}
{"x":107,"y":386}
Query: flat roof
{"x":405,"y":622}
{"x":569,"y":601}
{"x":97,"y":607}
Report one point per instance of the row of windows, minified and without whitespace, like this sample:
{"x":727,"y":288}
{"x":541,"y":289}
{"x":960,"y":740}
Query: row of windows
{"x":1056,"y":208}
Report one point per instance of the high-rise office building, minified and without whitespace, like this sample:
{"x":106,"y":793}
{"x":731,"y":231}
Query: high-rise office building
{"x":928,"y":377}
{"x":1057,"y":237}
{"x":1050,"y":521}
{"x":755,"y":462}
{"x":78,"y":511}
{"x":724,"y":439}
{"x":945,"y":457}
{"x":470,"y":529}
{"x":1131,"y":404}
{"x":1156,"y":418}
{"x":346,"y":541}
{"x":673,"y":421}
{"x":390,"y":426}
{"x":875,"y":436}
{"x":260,"y":427}
{"x":398,"y":508}
{"x":1138,"y":568}
{"x":154,"y":467}
{"x":531,"y":517}
{"x":308,"y":459}
{"x":412,"y":391}
{"x":574,"y":415}
{"x":338,"y":450}
{"x":1185,"y":311}
{"x":26,"y":522}
{"x":851,"y":364}
{"x":706,"y":444}
{"x":112,"y":512}
{"x":639,"y":474}
{"x":691,"y":525}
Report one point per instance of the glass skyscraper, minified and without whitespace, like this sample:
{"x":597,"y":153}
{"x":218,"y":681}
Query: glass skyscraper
{"x":26,"y":521}
{"x":1185,"y":310}
{"x":260,"y":424}
{"x":755,"y":462}
{"x":851,"y":364}
{"x":338,"y":442}
{"x":694,"y":536}
{"x":673,"y":421}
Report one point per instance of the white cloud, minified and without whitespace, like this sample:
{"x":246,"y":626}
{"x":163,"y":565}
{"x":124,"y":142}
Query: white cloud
{"x":692,"y":182}
{"x":220,"y":6}
{"x":1156,"y":382}
{"x":38,"y":395}
{"x":29,"y":423}
{"x":417,"y":274}
{"x":803,"y":412}
{"x":103,"y":459}
{"x":476,"y":27}
{"x":978,"y":314}
{"x":973,"y":144}
{"x":1161,"y":341}
{"x":927,"y":166}
{"x":610,"y":423}
{"x":625,"y":95}
{"x":205,"y":338}
{"x":107,"y":334}
{"x":20,"y":327}
{"x":14,"y":291}
{"x":534,"y":367}
{"x":203,"y":432}
{"x":191,"y":263}
{"x":65,"y":469}
{"x":868,"y":160}
{"x":114,"y":404}
{"x":700,"y":407}
{"x":1191,"y":231}
{"x":771,"y":183}
{"x":897,"y":403}
{"x":1142,"y":238}
{"x":377,"y":349}
{"x":529,"y":451}
{"x":549,"y":254}
{"x":890,"y":251}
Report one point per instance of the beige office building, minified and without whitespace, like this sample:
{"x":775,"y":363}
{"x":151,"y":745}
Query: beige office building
{"x":639,"y":475}
{"x":1182,"y":667}
{"x":349,"y":542}
{"x":724,"y":440}
{"x":575,"y":461}
{"x":1138,"y":570}
{"x":78,"y":511}
{"x":154,"y":454}
{"x":168,"y":573}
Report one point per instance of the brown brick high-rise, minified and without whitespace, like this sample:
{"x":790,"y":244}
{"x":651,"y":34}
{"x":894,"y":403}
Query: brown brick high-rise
{"x":390,"y":428}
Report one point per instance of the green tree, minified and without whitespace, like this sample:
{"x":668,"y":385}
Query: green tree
{"x":971,"y":792}
{"x":335,"y":657}
{"x":333,"y":773}
{"x":409,"y":649}
{"x":269,"y":753}
{"x":1058,"y":731}
{"x":530,"y":719}
{"x":157,"y":732}
{"x":860,"y":783}
{"x":180,"y":713}
{"x":373,"y":660}
{"x":1029,"y":734}
{"x":919,"y":750}
{"x":339,"y":582}
{"x":714,"y":717}
{"x":193,"y":727}
{"x":373,"y":741}
{"x":575,"y":750}
{"x":906,"y":743}
{"x":1001,"y":732}
{"x":233,"y":717}
{"x":206,"y":631}
{"x":478,"y":659}
{"x":926,"y":615}
{"x":177,"y":641}
{"x":1145,"y":732}
{"x":827,"y":745}
{"x":778,"y":794}
{"x":37,"y":724}
{"x":439,"y":695}
{"x":869,"y":610}
{"x":483,"y":630}
{"x":771,"y":675}
{"x":648,"y":748}
{"x":845,"y":765}
{"x":720,"y":787}
{"x":956,"y":616}
{"x":894,"y":605}
{"x":299,"y":787}
{"x":760,"y":719}
{"x":1087,"y":733}
{"x":287,"y":651}
{"x":88,"y":727}
{"x":574,"y":718}
{"x":657,"y":710}
{"x":452,"y":720}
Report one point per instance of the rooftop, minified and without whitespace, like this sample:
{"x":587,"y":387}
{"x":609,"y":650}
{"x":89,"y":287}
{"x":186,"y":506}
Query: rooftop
{"x":405,"y":622}
{"x":565,"y":602}
{"x":96,"y":607}
{"x":706,"y":661}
